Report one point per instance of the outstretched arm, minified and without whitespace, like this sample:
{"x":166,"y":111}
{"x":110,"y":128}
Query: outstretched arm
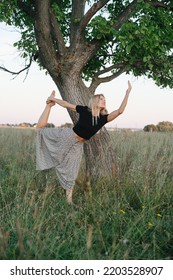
{"x":62,"y":103}
{"x":122,"y":107}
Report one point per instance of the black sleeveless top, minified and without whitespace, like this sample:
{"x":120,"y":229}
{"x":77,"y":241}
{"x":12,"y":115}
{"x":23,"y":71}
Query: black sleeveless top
{"x":87,"y":125}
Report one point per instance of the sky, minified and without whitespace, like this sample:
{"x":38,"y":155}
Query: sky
{"x":23,"y":100}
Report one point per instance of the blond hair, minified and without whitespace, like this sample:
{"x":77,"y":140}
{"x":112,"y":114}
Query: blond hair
{"x":95,"y":110}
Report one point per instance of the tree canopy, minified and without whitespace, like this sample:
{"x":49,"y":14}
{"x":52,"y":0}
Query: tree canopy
{"x":118,"y":36}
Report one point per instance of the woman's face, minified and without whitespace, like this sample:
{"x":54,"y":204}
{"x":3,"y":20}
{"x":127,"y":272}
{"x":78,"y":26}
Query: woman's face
{"x":102,"y":102}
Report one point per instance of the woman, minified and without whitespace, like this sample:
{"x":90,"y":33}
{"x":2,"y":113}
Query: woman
{"x":62,"y":148}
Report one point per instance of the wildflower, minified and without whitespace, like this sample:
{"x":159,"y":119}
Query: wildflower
{"x":143,"y":206}
{"x":158,"y":215}
{"x":150,"y":224}
{"x":125,"y":241}
{"x":122,"y":211}
{"x":28,"y":242}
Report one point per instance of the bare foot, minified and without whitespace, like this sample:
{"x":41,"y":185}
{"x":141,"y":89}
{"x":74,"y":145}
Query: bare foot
{"x":52,"y":94}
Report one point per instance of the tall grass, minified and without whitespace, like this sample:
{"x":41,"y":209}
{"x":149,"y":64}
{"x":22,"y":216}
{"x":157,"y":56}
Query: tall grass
{"x":126,"y":217}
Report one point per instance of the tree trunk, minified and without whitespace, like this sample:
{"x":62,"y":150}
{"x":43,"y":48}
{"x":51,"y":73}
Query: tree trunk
{"x":99,"y":156}
{"x":98,"y":151}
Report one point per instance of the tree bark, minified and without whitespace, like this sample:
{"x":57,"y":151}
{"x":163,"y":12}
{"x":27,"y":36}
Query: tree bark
{"x":99,"y":156}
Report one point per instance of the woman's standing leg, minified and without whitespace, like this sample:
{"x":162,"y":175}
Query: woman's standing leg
{"x":69,"y":194}
{"x":42,"y":122}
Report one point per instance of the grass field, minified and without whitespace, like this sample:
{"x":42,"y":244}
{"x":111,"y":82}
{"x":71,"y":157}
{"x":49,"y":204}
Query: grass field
{"x":128,"y":217}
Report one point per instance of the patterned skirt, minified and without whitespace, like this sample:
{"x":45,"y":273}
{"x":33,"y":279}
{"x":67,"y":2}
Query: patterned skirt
{"x":59,"y":148}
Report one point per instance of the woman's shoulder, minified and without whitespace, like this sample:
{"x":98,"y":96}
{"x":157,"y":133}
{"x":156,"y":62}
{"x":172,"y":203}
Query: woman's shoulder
{"x":81,"y":108}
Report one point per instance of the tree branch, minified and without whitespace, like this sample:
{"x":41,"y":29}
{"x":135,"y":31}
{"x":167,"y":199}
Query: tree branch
{"x":56,"y":32}
{"x":140,"y":65}
{"x":125,"y":15}
{"x":96,"y":81}
{"x":90,"y":13}
{"x":47,"y":52}
{"x":78,"y":41}
{"x":27,"y":67}
{"x":110,"y":68}
{"x":78,"y":8}
{"x":159,"y":4}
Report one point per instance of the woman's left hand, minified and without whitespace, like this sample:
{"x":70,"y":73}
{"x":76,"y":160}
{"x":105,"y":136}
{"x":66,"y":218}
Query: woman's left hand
{"x":129,"y":87}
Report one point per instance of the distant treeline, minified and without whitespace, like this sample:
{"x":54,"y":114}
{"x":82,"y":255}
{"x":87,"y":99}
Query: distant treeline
{"x":25,"y":124}
{"x":164,"y":126}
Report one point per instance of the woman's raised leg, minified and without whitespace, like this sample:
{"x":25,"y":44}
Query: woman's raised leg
{"x":42,"y":122}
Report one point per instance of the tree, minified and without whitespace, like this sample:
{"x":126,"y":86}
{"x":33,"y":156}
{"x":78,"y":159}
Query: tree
{"x":150,"y":128}
{"x":94,"y":41}
{"x":165,"y":126}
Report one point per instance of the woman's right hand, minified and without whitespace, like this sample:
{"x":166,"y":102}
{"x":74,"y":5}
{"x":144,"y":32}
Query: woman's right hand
{"x":50,"y":103}
{"x":50,"y":100}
